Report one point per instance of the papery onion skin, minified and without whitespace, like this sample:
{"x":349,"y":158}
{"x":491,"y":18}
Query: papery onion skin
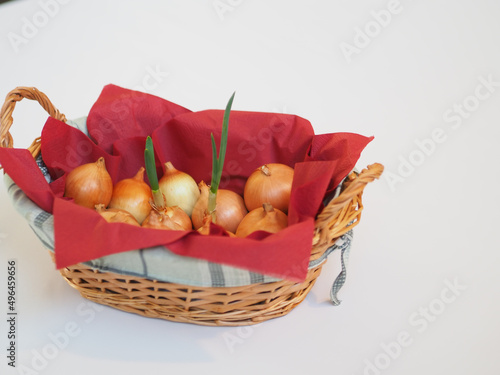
{"x":133,"y":195}
{"x":270,"y":183}
{"x":178,"y":215}
{"x":115,"y":215}
{"x":230,"y":208}
{"x":89,"y":184}
{"x":179,"y":188}
{"x":205,"y":228}
{"x":159,"y":220}
{"x":266,"y":218}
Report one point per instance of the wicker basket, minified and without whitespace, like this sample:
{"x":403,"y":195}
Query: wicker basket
{"x":213,"y":306}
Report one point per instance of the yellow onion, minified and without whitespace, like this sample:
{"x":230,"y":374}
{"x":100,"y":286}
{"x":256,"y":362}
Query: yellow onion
{"x":270,"y":183}
{"x":230,"y":208}
{"x":179,"y":188}
{"x":265,"y":218}
{"x":133,"y":195}
{"x":178,"y":215}
{"x":172,"y":218}
{"x":115,"y":215}
{"x":89,"y":184}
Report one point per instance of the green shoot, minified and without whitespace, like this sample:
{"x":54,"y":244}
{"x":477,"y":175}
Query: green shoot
{"x":218,"y":162}
{"x":149,"y":160}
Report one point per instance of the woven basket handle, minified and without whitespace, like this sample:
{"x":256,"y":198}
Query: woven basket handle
{"x":338,"y":217}
{"x":6,"y":119}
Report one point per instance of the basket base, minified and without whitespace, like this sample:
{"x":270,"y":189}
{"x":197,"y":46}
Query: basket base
{"x":210,"y":306}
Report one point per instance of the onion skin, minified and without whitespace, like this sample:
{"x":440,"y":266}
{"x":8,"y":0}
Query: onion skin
{"x":115,"y":215}
{"x":270,"y":183}
{"x":265,"y":218}
{"x":205,"y":228}
{"x":178,"y":215}
{"x":133,"y":195}
{"x":89,"y":184}
{"x":230,"y":208}
{"x":179,"y":189}
{"x":173,"y":218}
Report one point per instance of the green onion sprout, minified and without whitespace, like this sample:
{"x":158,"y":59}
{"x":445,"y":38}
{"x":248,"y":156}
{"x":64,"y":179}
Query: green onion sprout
{"x":149,"y":160}
{"x":218,"y":162}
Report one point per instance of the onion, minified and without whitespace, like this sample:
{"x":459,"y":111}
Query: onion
{"x":133,"y":195}
{"x":115,"y":215}
{"x":178,"y":215}
{"x":270,"y":183}
{"x":89,"y":184}
{"x":230,"y":208}
{"x":171,"y":218}
{"x":265,"y":218}
{"x":179,"y":189}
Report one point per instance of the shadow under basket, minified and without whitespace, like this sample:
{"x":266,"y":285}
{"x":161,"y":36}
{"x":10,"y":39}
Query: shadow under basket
{"x":211,"y":306}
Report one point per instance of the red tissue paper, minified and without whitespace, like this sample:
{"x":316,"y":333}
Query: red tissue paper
{"x":118,"y":124}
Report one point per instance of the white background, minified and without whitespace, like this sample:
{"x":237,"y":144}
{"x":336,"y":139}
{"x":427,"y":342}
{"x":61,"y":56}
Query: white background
{"x":433,"y":224}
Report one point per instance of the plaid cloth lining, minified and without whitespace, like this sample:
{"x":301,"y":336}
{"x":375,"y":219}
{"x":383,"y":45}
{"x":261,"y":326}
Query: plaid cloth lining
{"x":158,"y":262}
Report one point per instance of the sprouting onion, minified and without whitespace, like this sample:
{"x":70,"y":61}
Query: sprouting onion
{"x":149,"y":160}
{"x":218,"y":162}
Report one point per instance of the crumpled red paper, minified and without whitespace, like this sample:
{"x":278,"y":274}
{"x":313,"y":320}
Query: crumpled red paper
{"x":118,"y":125}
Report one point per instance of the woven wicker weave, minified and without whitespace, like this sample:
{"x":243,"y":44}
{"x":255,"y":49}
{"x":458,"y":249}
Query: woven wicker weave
{"x":214,"y":306}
